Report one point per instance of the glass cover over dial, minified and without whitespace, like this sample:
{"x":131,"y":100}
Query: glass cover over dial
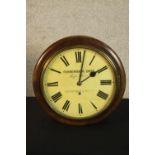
{"x":78,"y":83}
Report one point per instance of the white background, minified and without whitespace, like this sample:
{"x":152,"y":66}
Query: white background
{"x":13,"y":77}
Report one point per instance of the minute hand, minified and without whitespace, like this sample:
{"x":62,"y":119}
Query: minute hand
{"x":80,"y":75}
{"x":93,"y":73}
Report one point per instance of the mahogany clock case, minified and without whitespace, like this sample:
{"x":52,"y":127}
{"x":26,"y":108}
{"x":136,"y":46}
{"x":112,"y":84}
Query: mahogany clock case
{"x":91,"y":43}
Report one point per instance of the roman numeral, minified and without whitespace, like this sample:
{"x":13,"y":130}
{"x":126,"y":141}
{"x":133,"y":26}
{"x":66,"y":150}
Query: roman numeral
{"x":64,"y":60}
{"x":80,"y":109}
{"x":105,"y":82}
{"x":55,"y":70}
{"x":102,"y":69}
{"x":78,"y":57}
{"x":93,"y":105}
{"x":52,"y":84}
{"x":56,"y":96}
{"x":102,"y":95}
{"x":92,"y":60}
{"x":66,"y":105}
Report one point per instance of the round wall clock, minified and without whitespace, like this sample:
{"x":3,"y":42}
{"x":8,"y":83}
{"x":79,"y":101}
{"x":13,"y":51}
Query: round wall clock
{"x":79,"y":80}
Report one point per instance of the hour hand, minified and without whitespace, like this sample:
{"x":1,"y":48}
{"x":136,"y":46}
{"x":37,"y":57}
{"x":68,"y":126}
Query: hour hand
{"x":93,"y":73}
{"x":101,"y":69}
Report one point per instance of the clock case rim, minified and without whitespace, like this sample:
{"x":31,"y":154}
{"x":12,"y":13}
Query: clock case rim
{"x":86,"y":42}
{"x":79,"y":46}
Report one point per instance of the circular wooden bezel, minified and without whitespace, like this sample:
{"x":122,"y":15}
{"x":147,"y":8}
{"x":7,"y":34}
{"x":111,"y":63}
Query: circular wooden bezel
{"x":91,"y":43}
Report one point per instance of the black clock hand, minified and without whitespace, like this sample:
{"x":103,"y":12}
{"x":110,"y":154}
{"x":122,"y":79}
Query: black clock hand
{"x":101,"y":69}
{"x":93,"y":73}
{"x":80,"y":75}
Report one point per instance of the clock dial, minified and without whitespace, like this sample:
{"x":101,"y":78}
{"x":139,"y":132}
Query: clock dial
{"x":78,"y":83}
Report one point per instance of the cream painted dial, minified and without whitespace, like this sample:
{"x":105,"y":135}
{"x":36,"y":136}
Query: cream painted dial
{"x":78,"y":83}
